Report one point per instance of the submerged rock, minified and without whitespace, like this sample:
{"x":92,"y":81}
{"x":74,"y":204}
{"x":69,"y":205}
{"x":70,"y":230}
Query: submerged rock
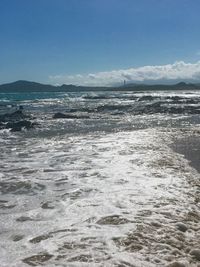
{"x":147,"y":98}
{"x":17,"y":238}
{"x":23,"y":219}
{"x":181,"y":227}
{"x":113,"y":220}
{"x":36,"y":260}
{"x":177,"y":264}
{"x":17,"y":115}
{"x":40,"y":238}
{"x":16,"y":121}
{"x":17,"y":126}
{"x":60,"y":115}
{"x":195,"y":253}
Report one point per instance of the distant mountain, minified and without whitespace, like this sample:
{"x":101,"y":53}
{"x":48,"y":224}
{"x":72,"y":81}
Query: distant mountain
{"x":27,"y":86}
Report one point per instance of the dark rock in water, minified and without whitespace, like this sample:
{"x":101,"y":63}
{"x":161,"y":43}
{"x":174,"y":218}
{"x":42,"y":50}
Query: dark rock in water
{"x":176,"y":99}
{"x":17,"y":238}
{"x":17,"y":115}
{"x":146,"y":98}
{"x":16,"y":121}
{"x":46,"y":205}
{"x":113,"y":220}
{"x":111,"y":108}
{"x":17,"y":126}
{"x":195,"y":253}
{"x":181,"y":227}
{"x":23,"y":219}
{"x":60,"y":115}
{"x":177,"y":264}
{"x":37,"y":260}
{"x":40,"y":238}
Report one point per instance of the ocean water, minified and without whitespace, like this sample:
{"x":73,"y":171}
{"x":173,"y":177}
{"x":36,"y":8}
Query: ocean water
{"x":105,"y":188}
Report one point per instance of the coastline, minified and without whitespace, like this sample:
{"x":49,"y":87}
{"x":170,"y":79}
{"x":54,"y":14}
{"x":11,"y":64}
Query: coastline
{"x":189,"y":146}
{"x":108,"y":190}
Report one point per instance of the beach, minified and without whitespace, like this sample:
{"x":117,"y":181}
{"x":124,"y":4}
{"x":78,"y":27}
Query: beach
{"x":114,"y":184}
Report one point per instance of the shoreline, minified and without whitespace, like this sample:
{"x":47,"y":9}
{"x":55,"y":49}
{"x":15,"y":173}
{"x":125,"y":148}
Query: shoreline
{"x":189,"y":146}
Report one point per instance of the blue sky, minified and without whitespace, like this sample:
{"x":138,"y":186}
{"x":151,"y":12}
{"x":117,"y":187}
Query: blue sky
{"x":57,"y":41}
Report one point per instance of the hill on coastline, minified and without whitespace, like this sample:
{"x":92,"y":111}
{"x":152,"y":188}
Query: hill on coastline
{"x":27,"y":86}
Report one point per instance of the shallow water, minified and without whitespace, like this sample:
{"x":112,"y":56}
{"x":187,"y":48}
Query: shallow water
{"x":189,"y":146}
{"x":104,"y":191}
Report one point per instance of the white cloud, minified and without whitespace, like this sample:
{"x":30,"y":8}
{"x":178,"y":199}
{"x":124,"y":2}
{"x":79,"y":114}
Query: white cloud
{"x":176,"y":71}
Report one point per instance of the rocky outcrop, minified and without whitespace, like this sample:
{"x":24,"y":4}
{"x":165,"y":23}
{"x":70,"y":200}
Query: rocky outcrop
{"x":18,"y":126}
{"x":16,"y":121}
{"x":14,"y":116}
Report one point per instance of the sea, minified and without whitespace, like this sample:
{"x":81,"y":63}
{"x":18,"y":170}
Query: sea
{"x":116,"y":184}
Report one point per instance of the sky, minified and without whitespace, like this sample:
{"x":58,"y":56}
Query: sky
{"x":99,"y":42}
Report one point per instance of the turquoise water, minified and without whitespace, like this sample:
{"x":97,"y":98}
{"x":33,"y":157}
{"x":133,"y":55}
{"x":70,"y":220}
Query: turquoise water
{"x":30,"y":96}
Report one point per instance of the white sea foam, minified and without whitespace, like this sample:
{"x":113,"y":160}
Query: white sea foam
{"x":80,"y":194}
{"x":104,"y":191}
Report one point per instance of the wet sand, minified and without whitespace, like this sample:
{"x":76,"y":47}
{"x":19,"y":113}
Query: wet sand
{"x":189,"y":146}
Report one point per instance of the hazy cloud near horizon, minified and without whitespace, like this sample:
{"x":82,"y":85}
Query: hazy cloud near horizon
{"x":176,"y":71}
